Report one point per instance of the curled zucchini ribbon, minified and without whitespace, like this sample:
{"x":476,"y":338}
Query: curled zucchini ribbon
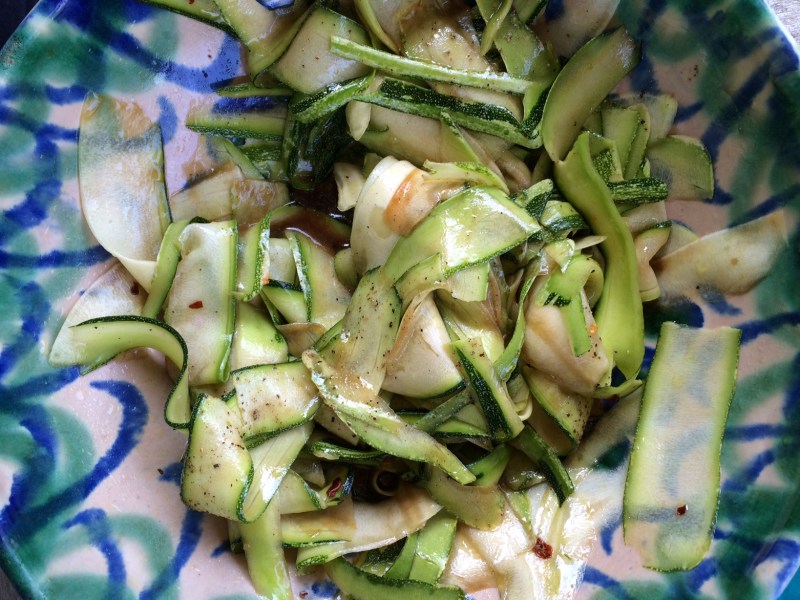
{"x":97,"y":341}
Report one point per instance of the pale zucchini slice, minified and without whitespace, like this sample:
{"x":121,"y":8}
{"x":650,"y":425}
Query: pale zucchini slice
{"x":411,"y":137}
{"x":281,"y":261}
{"x":121,"y":178}
{"x":647,"y":244}
{"x":115,"y":292}
{"x":201,"y":303}
{"x":730,"y":261}
{"x":266,"y":33}
{"x":333,"y":524}
{"x":272,"y":460}
{"x":301,"y":336}
{"x":253,"y":199}
{"x":308,"y":64}
{"x":420,"y":364}
{"x":685,"y":165}
{"x":377,"y":525}
{"x":209,"y":197}
{"x":372,"y":239}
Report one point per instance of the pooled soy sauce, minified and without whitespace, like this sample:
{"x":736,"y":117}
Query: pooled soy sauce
{"x":315,"y":220}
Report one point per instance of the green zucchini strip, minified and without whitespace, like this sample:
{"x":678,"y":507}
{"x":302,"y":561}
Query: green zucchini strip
{"x":371,"y":418}
{"x":256,"y":340}
{"x":367,"y":16}
{"x":632,"y":192}
{"x":166,"y":265}
{"x":508,"y":360}
{"x":201,"y":304}
{"x":434,"y":544}
{"x":470,"y":227}
{"x":568,"y":411}
{"x":563,"y":289}
{"x":488,"y":389}
{"x":253,"y":261}
{"x":478,"y":506}
{"x":272,"y":460}
{"x":529,"y":442}
{"x":326,"y":298}
{"x":672,"y":488}
{"x":494,"y":23}
{"x":583,"y":83}
{"x":473,"y":173}
{"x":368,"y":331}
{"x":416,"y":100}
{"x":361,"y":584}
{"x":308,"y":65}
{"x":296,"y":495}
{"x":253,"y":125}
{"x":333,"y":524}
{"x":618,"y":313}
{"x":266,"y":559}
{"x":307,"y":109}
{"x":523,"y":53}
{"x":217,"y":468}
{"x":97,"y":341}
{"x":273,"y":398}
{"x":407,"y":67}
{"x":330,"y":451}
{"x":265,"y":33}
{"x":248,"y":90}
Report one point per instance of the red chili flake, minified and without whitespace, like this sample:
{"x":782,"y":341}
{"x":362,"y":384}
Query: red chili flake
{"x":334,"y":489}
{"x":542,"y":549}
{"x":198,"y":304}
{"x":135,"y":289}
{"x":681,"y":510}
{"x":303,"y":595}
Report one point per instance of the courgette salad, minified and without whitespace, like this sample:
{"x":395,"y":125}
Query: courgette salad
{"x":412,"y":396}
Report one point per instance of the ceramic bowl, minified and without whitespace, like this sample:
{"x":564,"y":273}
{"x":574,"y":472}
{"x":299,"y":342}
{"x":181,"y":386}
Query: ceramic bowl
{"x":89,"y":503}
